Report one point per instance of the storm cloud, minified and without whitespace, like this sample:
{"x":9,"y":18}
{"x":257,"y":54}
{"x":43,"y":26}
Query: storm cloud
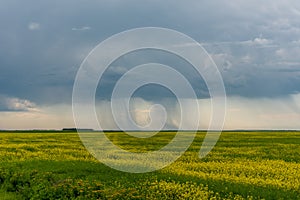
{"x":255,"y":44}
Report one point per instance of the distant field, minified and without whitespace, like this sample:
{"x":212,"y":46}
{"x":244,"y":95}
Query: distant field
{"x":243,"y":165}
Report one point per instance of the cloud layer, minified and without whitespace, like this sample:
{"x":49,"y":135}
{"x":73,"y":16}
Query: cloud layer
{"x":255,"y":44}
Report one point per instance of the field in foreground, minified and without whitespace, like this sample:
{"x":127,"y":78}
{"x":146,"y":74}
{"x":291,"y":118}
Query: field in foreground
{"x":243,"y":165}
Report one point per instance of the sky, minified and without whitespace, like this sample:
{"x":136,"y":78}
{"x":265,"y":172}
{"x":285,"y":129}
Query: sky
{"x":255,"y":45}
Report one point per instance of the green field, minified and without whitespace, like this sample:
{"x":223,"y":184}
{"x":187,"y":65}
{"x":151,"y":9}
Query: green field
{"x":243,"y":165}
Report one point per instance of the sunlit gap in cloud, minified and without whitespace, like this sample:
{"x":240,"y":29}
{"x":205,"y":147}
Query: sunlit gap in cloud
{"x":242,"y":113}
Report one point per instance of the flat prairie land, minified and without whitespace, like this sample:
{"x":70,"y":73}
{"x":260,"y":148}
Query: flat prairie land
{"x":242,"y":165}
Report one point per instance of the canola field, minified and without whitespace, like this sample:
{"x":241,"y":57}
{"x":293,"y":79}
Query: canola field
{"x":243,"y":165}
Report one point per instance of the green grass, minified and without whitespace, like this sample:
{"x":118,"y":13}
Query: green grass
{"x":4,"y":195}
{"x":243,"y":165}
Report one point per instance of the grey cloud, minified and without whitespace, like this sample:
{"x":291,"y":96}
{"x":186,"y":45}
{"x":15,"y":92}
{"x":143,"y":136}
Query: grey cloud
{"x":254,"y":43}
{"x":84,"y":28}
{"x":150,"y":92}
{"x":13,"y":104}
{"x":33,"y":26}
{"x":247,"y":33}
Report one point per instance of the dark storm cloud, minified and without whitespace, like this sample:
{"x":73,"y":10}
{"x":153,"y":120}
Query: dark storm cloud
{"x":44,"y":42}
{"x":150,"y":92}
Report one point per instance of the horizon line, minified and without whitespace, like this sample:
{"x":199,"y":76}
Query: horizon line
{"x":117,"y":130}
